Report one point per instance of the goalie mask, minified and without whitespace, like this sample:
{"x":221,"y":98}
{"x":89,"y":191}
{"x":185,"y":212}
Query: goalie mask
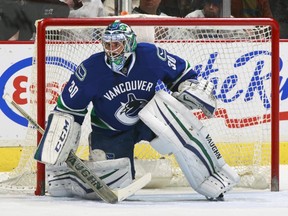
{"x":118,"y":42}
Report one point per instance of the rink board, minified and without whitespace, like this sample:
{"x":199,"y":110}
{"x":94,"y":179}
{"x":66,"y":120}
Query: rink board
{"x":10,"y":155}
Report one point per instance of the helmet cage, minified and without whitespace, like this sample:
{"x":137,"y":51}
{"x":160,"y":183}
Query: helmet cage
{"x":121,"y":34}
{"x":114,"y":45}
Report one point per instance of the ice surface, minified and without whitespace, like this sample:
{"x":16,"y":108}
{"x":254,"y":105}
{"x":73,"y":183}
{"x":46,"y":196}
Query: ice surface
{"x":160,"y":202}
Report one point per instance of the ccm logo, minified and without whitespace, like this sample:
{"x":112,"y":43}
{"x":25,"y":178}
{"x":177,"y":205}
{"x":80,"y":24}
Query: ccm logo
{"x":63,"y":136}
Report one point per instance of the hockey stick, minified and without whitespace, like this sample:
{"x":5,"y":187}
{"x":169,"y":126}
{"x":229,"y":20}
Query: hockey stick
{"x":84,"y":173}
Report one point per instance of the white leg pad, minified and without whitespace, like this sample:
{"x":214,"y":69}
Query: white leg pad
{"x":181,"y":133}
{"x":63,"y":182}
{"x":160,"y":146}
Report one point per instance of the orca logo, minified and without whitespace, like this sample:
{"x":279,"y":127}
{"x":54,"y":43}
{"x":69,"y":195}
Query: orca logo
{"x":127,"y":113}
{"x":13,"y":69}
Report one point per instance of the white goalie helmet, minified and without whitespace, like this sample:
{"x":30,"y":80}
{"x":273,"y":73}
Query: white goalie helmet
{"x":118,"y":42}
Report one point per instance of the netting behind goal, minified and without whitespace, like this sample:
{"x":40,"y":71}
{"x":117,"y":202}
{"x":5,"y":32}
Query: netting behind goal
{"x":239,"y":56}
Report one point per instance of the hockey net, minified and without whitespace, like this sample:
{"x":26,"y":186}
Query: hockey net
{"x":239,"y":56}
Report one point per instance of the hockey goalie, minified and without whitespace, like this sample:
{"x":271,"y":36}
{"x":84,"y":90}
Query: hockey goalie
{"x":120,"y":83}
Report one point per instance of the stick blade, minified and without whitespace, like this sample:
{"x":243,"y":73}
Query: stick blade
{"x":131,"y":189}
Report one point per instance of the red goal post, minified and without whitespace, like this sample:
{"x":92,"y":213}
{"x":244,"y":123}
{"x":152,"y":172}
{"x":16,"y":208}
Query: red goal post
{"x":188,"y":29}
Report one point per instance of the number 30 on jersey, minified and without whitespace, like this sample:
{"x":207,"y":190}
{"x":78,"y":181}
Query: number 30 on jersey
{"x":73,"y":89}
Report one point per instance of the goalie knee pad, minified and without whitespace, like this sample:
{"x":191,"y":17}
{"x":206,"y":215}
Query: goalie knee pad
{"x":63,"y":182}
{"x":97,"y":155}
{"x":181,"y":133}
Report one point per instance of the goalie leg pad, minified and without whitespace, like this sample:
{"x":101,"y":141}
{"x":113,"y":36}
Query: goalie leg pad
{"x":62,"y":181}
{"x":62,"y":134}
{"x":186,"y":137}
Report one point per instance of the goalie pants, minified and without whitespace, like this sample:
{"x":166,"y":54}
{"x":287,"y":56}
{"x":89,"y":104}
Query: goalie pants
{"x":122,"y":143}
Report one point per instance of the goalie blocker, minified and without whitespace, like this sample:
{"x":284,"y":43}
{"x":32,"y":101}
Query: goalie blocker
{"x":60,"y":137}
{"x":180,"y":133}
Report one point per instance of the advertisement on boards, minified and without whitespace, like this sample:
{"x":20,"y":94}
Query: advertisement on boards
{"x":16,"y":67}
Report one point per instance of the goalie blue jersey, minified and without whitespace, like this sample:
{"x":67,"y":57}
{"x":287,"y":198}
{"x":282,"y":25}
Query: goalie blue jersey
{"x":117,"y":97}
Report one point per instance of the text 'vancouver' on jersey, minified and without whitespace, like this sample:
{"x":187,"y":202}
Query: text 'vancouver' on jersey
{"x":117,"y":97}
